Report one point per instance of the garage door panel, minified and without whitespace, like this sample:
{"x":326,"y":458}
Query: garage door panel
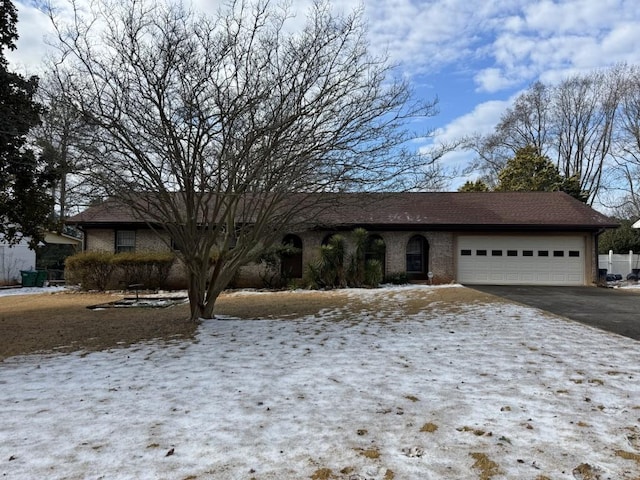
{"x":542,"y":260}
{"x":526,"y":277}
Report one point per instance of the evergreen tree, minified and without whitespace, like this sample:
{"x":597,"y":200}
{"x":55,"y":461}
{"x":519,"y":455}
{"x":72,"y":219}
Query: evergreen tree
{"x":620,"y":240}
{"x":530,"y":171}
{"x":477,"y":186}
{"x":24,"y":202}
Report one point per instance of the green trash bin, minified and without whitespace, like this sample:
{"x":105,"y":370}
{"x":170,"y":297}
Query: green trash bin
{"x":41,"y":277}
{"x":29,"y":278}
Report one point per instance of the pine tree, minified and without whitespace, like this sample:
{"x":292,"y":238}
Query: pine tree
{"x":529,"y":171}
{"x":24,"y":202}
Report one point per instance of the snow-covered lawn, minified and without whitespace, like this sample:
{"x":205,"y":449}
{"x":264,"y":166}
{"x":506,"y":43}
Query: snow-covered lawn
{"x":477,"y":391}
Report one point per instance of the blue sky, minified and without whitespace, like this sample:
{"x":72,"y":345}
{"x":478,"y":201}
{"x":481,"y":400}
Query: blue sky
{"x":474,"y":55}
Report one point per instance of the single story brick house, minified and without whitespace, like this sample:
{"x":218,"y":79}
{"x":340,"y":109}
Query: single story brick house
{"x":520,"y":238}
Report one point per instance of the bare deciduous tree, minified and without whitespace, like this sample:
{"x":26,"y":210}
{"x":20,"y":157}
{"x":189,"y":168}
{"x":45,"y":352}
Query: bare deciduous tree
{"x":627,"y":147}
{"x":59,"y":139}
{"x":208,"y":126}
{"x":572,"y":122}
{"x":585,"y":109}
{"x":525,"y":124}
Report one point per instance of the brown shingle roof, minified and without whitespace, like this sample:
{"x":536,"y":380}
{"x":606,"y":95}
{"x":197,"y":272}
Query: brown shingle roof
{"x":471,"y":208}
{"x":432,"y":209}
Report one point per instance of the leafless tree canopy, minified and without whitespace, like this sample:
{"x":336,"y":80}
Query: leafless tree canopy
{"x":627,"y":147}
{"x":207,"y":124}
{"x":59,"y":139}
{"x":582,"y":124}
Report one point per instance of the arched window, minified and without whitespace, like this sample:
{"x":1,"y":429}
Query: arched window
{"x":417,"y":256}
{"x":291,"y":258}
{"x":375,"y":249}
{"x":327,"y":238}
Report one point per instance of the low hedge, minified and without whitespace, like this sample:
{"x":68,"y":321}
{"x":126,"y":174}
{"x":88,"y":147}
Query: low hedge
{"x":96,"y":270}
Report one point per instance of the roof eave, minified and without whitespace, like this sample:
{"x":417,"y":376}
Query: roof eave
{"x":467,"y":227}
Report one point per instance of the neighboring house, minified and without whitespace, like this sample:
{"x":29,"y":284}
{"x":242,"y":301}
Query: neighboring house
{"x":19,"y":257}
{"x":13,"y":259}
{"x":520,"y":238}
{"x":53,"y":250}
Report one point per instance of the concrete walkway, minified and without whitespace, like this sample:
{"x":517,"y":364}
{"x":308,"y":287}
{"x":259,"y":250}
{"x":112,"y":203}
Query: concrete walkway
{"x":615,"y":310}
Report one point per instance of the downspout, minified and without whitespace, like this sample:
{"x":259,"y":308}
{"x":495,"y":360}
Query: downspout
{"x":596,"y":274}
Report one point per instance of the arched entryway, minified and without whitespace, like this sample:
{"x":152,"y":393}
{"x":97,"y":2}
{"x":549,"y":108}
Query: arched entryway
{"x":291,"y":258}
{"x":417,"y":257}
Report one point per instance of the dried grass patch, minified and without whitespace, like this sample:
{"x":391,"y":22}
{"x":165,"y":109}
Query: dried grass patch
{"x":628,"y":455}
{"x":370,"y":453}
{"x":429,"y":427}
{"x":584,"y":471}
{"x":488,"y":468}
{"x":61,"y":322}
{"x":323,"y":474}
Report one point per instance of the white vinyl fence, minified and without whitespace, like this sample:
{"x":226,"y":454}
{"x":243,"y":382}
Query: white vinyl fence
{"x":622,"y":264}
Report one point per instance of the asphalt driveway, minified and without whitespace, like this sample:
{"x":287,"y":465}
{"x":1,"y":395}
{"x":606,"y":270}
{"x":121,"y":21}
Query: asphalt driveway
{"x":614,"y":310}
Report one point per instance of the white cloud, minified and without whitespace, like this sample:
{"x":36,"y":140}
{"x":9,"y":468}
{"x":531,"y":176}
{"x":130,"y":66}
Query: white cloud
{"x":493,"y":80}
{"x":33,"y":27}
{"x":426,"y":35}
{"x":481,"y":120}
{"x":500,"y":45}
{"x":565,"y":36}
{"x":575,"y":16}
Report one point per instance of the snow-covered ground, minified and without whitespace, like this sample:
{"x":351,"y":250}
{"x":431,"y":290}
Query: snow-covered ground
{"x":4,"y":292}
{"x":482,"y":391}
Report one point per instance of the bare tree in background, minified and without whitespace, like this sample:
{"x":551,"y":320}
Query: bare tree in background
{"x":525,"y":124}
{"x":585,"y":108}
{"x":209,"y":127}
{"x":573,"y":123}
{"x":59,"y":138}
{"x":627,"y":147}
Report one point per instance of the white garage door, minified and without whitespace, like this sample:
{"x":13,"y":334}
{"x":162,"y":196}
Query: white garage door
{"x":526,"y":260}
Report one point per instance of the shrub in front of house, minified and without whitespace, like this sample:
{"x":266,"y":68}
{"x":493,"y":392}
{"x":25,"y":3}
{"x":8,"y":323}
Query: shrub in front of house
{"x":329,"y":270}
{"x":336,"y":269}
{"x":91,"y":270}
{"x":373,"y":275}
{"x":397,"y":278}
{"x":98,"y":270}
{"x":149,"y":269}
{"x":271,"y":274}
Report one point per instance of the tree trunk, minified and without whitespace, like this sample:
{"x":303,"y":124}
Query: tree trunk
{"x":196,"y":288}
{"x":203,"y":293}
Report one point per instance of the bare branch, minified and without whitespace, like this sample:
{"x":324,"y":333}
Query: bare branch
{"x":206,"y":126}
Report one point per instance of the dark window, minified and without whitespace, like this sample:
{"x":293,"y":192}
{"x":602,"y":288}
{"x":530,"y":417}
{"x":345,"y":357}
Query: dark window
{"x":125,"y":241}
{"x":543,"y":253}
{"x":481,"y":253}
{"x":291,"y":257}
{"x":512,"y":253}
{"x":574,"y":253}
{"x":496,"y":253}
{"x":465,"y":253}
{"x":558,"y":253}
{"x":527,"y":253}
{"x":416,"y":261}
